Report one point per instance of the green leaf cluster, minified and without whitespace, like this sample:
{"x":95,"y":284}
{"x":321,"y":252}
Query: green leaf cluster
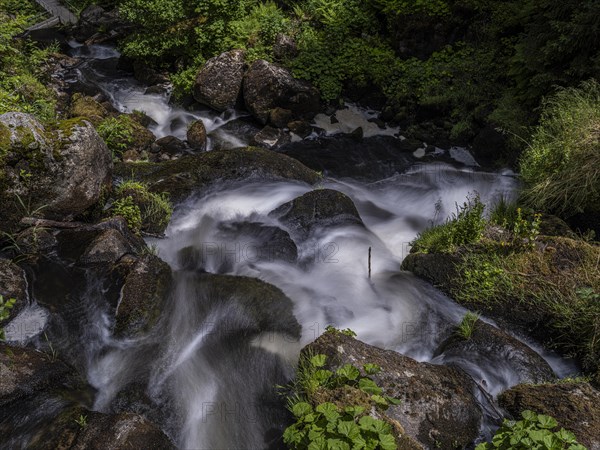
{"x":117,"y":133}
{"x":534,"y":431}
{"x":330,"y":426}
{"x":5,"y":307}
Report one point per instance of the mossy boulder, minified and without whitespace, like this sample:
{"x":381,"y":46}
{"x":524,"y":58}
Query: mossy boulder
{"x":318,"y":208}
{"x":266,"y":307}
{"x":574,"y":405}
{"x":194,"y":173}
{"x":88,"y":107}
{"x":438,"y":407}
{"x":57,"y":173}
{"x":107,"y":248}
{"x":145,"y":287}
{"x":488,"y":346}
{"x":13,"y":285}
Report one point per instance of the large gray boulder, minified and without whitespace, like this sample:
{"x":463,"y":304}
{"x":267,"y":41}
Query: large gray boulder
{"x":57,"y":174}
{"x":219,"y":81}
{"x":267,"y":86}
{"x":438,"y":407}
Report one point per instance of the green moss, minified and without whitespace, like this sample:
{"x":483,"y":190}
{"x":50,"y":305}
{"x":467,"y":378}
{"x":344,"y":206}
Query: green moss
{"x":4,"y":139}
{"x":84,"y":106}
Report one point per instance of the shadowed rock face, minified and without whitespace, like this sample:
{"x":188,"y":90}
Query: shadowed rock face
{"x":437,"y":406}
{"x":219,"y":82}
{"x":321,"y":207}
{"x":575,"y":406}
{"x":267,"y":86}
{"x":13,"y":285}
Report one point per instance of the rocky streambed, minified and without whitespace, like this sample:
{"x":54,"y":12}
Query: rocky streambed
{"x":180,"y":341}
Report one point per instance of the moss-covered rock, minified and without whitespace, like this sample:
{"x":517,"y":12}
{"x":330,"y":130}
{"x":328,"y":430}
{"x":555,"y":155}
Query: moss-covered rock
{"x":318,"y":208}
{"x":438,"y":407}
{"x":56,"y":173}
{"x":146,"y":285}
{"x":84,"y":106}
{"x":196,"y":135}
{"x":574,"y":405}
{"x":197,"y":172}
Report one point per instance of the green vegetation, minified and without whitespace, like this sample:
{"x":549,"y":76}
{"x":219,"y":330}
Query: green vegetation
{"x":562,"y":165}
{"x":117,"y":132}
{"x":329,"y":424}
{"x":467,"y":325}
{"x":23,"y":80}
{"x":81,"y":421}
{"x":464,"y":227}
{"x":5,"y":307}
{"x":532,"y":432}
{"x":143,"y":210}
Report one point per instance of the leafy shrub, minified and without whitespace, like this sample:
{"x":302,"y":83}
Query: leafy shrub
{"x":117,"y":132}
{"x":464,"y":227}
{"x":327,"y":425}
{"x":561,"y":167}
{"x":532,"y":432}
{"x":155,"y":210}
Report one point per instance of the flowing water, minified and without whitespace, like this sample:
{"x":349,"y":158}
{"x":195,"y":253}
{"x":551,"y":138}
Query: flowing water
{"x":209,"y":368}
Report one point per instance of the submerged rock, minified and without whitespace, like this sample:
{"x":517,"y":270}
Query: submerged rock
{"x":267,"y":86}
{"x":438,"y":407}
{"x":196,"y":172}
{"x":318,"y":208}
{"x":489,"y":346}
{"x":575,"y":406}
{"x":219,"y":81}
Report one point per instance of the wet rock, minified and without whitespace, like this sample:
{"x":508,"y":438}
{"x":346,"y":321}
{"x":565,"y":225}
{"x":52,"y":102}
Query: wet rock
{"x":157,"y":89}
{"x":437,"y":407}
{"x":36,"y":240}
{"x":267,"y":86}
{"x":131,"y":156}
{"x":13,"y":285}
{"x":490,"y":145}
{"x":300,"y":128}
{"x":489,"y":346}
{"x":271,"y":138}
{"x":147,"y":75}
{"x":107,"y":248}
{"x":196,"y":135}
{"x":26,"y":372}
{"x":372,"y":158}
{"x":69,"y":166}
{"x":143,"y":119}
{"x":279,"y":117}
{"x":92,"y":14}
{"x":147,"y":281}
{"x":318,"y":208}
{"x":170,"y":145}
{"x":195,"y":172}
{"x":554,"y":226}
{"x":254,"y":242}
{"x":219,"y":81}
{"x":575,"y":406}
{"x":266,"y":307}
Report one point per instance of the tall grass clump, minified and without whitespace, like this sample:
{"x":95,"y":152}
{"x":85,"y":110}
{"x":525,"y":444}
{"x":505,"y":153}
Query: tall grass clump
{"x":561,"y":167}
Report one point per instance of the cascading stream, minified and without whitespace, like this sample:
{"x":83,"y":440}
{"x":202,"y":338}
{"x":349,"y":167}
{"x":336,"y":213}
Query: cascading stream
{"x":211,"y":364}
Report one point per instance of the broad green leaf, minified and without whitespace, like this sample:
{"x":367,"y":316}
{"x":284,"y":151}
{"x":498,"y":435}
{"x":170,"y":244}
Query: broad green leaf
{"x":318,"y":444}
{"x":348,"y":371}
{"x":301,"y":409}
{"x":318,"y":360}
{"x":337,"y":444}
{"x":354,"y":410}
{"x":379,"y":400}
{"x":392,"y":400}
{"x":322,"y":376}
{"x":387,"y":442}
{"x":369,"y":386}
{"x":547,"y":422}
{"x":529,"y":415}
{"x":372,"y":369}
